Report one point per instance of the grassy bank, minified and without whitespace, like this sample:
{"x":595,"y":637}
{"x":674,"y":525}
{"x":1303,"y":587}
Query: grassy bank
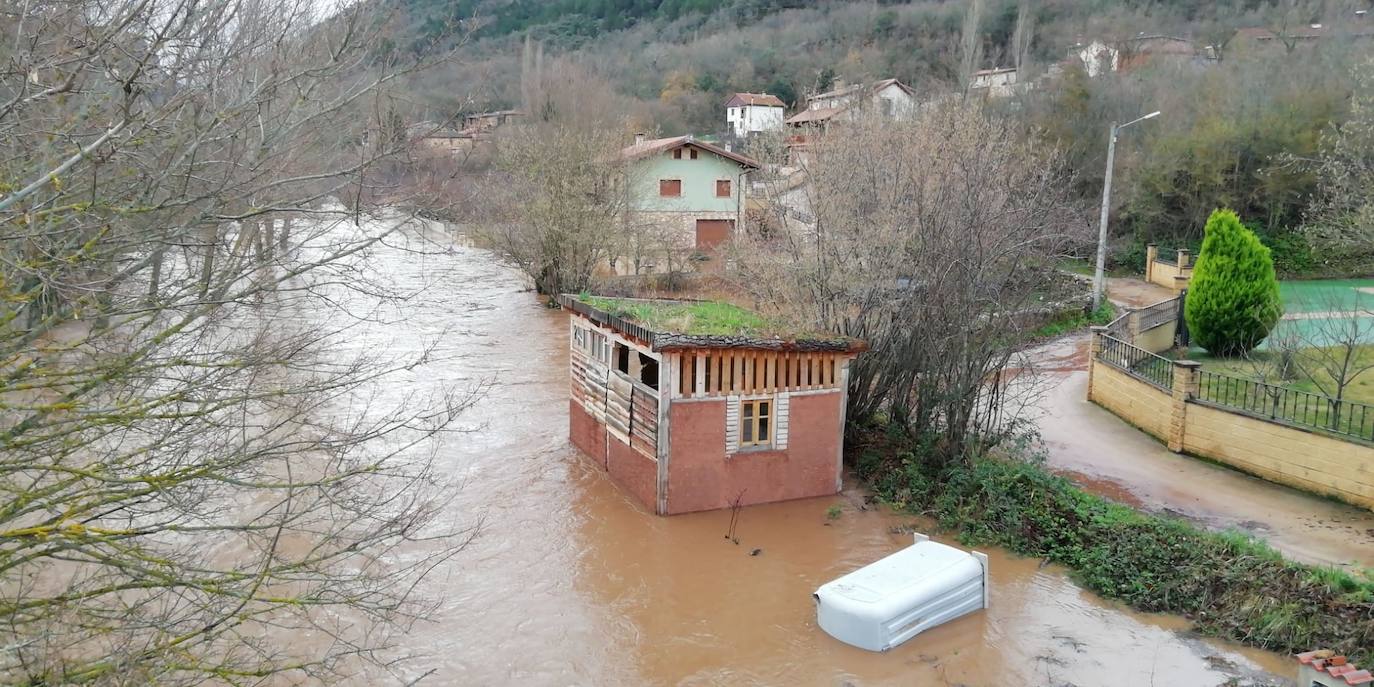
{"x":1073,"y":320}
{"x":1229,"y":585}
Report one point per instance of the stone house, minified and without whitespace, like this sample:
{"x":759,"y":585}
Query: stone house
{"x":889,"y":98}
{"x":686,"y":194}
{"x":690,"y":421}
{"x":995,"y":83}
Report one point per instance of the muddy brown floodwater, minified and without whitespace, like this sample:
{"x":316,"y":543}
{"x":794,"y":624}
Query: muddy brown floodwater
{"x":571,"y":583}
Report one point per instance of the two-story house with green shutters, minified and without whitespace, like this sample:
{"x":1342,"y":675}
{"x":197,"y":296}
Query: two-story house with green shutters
{"x":687,"y":194}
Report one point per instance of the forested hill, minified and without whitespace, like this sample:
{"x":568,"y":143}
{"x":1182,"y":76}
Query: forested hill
{"x":1239,"y":131}
{"x":582,"y":18}
{"x":693,"y":53}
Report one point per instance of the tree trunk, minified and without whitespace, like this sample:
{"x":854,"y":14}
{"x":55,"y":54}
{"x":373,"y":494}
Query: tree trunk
{"x":155,"y":275}
{"x":207,"y":266}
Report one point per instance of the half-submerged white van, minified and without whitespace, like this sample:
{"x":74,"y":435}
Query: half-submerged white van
{"x":892,"y":600}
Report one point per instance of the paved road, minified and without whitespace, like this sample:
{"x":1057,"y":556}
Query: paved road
{"x":1112,"y":458}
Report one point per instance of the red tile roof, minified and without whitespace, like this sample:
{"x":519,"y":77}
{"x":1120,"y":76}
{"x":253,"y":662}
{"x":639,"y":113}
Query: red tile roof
{"x":756,"y":99}
{"x":808,"y":116}
{"x":663,"y":145}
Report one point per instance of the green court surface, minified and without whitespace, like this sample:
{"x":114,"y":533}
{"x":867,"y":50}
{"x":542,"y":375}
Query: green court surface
{"x":1327,"y":295}
{"x":1326,"y":312}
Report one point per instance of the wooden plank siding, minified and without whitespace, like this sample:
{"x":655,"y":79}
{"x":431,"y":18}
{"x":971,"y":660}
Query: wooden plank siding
{"x":737,"y":371}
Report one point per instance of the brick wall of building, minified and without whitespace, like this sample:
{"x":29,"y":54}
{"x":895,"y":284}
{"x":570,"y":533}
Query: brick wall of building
{"x":701,"y":476}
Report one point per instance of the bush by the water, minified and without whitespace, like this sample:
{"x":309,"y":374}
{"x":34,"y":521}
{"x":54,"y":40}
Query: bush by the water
{"x":1233,"y":296}
{"x":1228,"y":584}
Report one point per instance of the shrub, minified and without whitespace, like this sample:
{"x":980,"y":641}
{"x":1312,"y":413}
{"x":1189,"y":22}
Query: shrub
{"x":1291,"y":251}
{"x":1227,"y":583}
{"x":1233,"y":298}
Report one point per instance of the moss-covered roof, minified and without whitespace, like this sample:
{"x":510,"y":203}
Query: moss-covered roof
{"x":678,"y":324}
{"x":684,"y":317}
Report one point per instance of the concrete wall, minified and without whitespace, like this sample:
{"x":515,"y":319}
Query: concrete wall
{"x":1158,"y":339}
{"x":1135,"y":401}
{"x":1287,"y":455}
{"x":1274,"y":451}
{"x":1172,"y":275}
{"x":747,"y":119}
{"x":702,"y":476}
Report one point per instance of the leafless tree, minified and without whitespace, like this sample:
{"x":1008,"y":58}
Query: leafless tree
{"x":1022,"y":37}
{"x":970,"y":43}
{"x":554,"y":204}
{"x":1340,"y":221}
{"x":930,"y":240}
{"x":1338,"y":349}
{"x":198,"y":487}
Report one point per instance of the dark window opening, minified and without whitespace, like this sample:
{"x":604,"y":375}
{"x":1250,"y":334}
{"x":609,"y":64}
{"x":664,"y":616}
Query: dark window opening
{"x":648,"y":371}
{"x":622,"y":358}
{"x":694,"y":153}
{"x":677,"y":154}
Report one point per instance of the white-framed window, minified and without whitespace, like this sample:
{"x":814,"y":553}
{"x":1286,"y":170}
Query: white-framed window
{"x":757,"y":423}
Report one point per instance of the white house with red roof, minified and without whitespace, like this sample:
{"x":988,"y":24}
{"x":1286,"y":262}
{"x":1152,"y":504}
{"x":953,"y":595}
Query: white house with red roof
{"x":753,"y":113}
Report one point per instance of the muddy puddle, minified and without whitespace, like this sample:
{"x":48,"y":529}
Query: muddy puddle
{"x":570,"y":583}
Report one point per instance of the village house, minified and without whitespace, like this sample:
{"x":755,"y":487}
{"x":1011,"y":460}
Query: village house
{"x":431,"y":137}
{"x":689,"y":193}
{"x":482,"y":122}
{"x":889,"y":98}
{"x":753,"y":113}
{"x":686,"y":418}
{"x":995,"y":83}
{"x":1151,"y":50}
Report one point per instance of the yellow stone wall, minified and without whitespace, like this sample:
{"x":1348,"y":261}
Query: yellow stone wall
{"x":1279,"y":453}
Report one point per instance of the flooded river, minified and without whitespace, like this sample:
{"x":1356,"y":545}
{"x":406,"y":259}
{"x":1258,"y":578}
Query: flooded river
{"x":569,"y":582}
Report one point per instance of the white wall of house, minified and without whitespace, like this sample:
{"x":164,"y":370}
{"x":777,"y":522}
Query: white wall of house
{"x":750,"y":119}
{"x":893,"y":101}
{"x":1099,"y":58}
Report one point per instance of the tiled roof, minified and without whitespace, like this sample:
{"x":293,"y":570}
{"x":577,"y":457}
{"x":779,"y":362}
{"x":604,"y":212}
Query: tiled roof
{"x":662,"y":145}
{"x":757,"y":99}
{"x":821,"y":115}
{"x":854,"y":88}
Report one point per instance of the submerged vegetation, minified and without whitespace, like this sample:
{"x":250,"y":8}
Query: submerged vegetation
{"x":1227,"y":584}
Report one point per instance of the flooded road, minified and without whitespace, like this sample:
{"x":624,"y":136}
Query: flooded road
{"x":569,"y":582}
{"x":1114,"y":459}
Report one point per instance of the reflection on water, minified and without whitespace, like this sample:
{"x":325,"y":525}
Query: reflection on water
{"x":570,"y":582}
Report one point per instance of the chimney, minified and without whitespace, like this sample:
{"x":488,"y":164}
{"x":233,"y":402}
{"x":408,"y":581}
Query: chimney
{"x":639,"y":138}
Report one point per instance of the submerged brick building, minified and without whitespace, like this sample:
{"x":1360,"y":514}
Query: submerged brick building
{"x":689,"y":416}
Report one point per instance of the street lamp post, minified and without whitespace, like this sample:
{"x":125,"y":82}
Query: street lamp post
{"x":1099,"y":275}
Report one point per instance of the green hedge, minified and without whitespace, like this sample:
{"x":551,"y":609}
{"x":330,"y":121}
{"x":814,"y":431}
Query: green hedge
{"x":1228,"y":584}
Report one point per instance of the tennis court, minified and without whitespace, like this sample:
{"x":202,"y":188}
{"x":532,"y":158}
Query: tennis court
{"x":1322,"y":312}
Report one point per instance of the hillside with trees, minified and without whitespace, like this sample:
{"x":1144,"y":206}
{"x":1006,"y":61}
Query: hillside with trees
{"x":1244,"y":128}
